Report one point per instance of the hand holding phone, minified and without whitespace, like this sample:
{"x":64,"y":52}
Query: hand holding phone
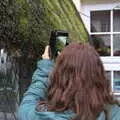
{"x":58,"y":41}
{"x":46,"y":55}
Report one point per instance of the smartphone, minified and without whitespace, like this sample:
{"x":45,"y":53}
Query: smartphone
{"x":58,"y":41}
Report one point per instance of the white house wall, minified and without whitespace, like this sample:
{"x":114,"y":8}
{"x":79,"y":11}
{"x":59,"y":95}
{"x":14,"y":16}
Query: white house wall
{"x":84,"y":9}
{"x":98,"y":1}
{"x":77,"y":4}
{"x":85,"y":6}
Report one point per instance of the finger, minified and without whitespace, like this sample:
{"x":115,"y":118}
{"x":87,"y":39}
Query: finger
{"x":42,"y":55}
{"x":46,"y":49}
{"x":58,"y":52}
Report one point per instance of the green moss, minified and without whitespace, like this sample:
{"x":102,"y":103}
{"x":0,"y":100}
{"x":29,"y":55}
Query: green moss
{"x":34,"y":20}
{"x":20,"y":1}
{"x":63,"y":15}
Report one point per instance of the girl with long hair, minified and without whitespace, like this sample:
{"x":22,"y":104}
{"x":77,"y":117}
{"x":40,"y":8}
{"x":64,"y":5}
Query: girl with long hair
{"x":75,"y":88}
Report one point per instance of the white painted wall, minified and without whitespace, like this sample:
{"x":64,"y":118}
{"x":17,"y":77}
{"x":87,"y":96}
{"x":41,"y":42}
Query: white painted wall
{"x":77,"y":4}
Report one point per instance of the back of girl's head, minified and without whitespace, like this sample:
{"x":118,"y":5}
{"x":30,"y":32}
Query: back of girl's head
{"x":79,"y":83}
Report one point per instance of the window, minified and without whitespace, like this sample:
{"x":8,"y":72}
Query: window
{"x":105,"y":34}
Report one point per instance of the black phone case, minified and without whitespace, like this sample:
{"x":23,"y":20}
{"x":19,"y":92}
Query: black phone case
{"x":52,"y":42}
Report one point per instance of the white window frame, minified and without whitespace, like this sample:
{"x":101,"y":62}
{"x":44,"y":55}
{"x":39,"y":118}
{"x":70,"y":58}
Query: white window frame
{"x":111,"y":63}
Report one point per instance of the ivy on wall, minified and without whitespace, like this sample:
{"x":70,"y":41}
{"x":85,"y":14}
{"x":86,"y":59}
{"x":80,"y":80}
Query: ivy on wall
{"x":25,"y":25}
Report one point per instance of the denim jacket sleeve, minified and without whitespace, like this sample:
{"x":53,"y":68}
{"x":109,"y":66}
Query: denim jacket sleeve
{"x":37,"y":90}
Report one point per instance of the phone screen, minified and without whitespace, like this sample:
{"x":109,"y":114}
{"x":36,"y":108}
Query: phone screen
{"x":58,"y":41}
{"x":61,"y":42}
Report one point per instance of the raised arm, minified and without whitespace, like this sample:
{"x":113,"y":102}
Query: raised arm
{"x":37,"y":90}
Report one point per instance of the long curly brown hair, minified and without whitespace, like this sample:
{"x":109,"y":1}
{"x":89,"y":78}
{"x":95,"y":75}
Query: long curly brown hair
{"x":79,"y":83}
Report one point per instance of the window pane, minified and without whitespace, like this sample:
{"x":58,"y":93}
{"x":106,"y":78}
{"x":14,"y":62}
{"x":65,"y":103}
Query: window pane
{"x":108,"y":75}
{"x":100,"y":21}
{"x":116,"y":21}
{"x":116,"y":45}
{"x":116,"y":83}
{"x":102,"y":44}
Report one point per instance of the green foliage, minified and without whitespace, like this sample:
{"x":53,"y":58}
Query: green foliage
{"x":62,"y":14}
{"x":8,"y":21}
{"x":26,"y":24}
{"x":25,"y":27}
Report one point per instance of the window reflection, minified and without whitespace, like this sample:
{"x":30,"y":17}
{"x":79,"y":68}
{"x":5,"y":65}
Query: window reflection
{"x":100,"y":21}
{"x":116,"y":83}
{"x":116,"y":20}
{"x":108,"y":73}
{"x":102,"y":44}
{"x":116,"y":45}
